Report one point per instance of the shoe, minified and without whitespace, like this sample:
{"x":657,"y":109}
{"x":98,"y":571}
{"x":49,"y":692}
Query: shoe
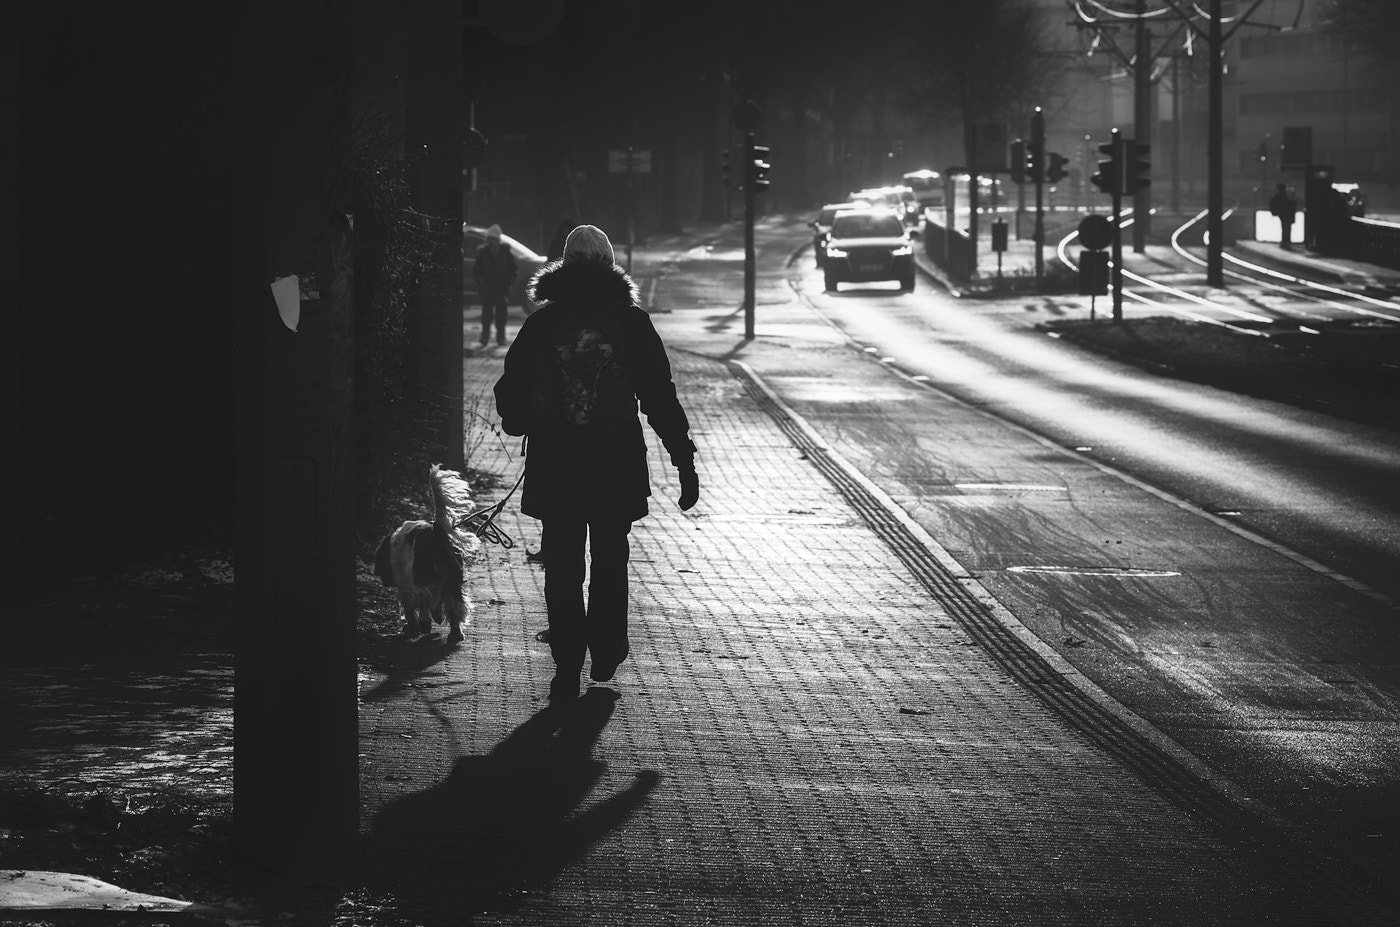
{"x":603,"y":670}
{"x":563,"y":689}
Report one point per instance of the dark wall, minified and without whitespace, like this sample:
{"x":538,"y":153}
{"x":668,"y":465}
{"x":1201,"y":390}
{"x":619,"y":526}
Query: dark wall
{"x":126,"y":347}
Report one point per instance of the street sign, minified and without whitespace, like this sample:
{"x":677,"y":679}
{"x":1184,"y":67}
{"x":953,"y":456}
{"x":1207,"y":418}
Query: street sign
{"x":1095,"y":232}
{"x":999,"y":236}
{"x":1093,"y":273}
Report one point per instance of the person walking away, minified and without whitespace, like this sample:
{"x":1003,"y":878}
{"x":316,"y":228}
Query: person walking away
{"x":556,"y":251}
{"x":579,"y":370}
{"x":494,"y":271}
{"x":1285,"y":208}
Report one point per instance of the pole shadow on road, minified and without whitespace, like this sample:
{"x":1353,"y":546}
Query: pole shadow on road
{"x":500,"y":826}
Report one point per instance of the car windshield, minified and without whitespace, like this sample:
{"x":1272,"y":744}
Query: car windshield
{"x":867,"y":225}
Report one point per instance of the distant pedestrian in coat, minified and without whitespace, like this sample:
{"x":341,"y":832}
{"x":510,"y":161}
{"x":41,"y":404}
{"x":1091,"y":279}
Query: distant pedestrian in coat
{"x":575,"y":377}
{"x":494,"y":271}
{"x":1285,"y":208}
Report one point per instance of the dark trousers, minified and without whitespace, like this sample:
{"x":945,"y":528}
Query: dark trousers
{"x":600,"y":627}
{"x":498,"y":309}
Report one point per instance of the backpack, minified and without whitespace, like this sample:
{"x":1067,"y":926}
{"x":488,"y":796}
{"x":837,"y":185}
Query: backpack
{"x":582,"y":388}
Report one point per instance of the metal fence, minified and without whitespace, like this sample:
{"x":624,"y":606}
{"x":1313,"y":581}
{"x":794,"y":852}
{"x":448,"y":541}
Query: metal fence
{"x":951,"y":250}
{"x":1373,"y":241}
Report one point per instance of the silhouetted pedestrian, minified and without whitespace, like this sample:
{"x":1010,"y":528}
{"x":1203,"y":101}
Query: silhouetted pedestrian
{"x":556,"y":252}
{"x":578,"y":371}
{"x":1282,"y":205}
{"x":494,"y":271}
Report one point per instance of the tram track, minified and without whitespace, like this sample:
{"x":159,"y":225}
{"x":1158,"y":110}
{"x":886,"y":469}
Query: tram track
{"x":1308,"y":299}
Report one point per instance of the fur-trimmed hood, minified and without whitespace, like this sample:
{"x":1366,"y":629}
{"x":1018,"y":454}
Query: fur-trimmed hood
{"x":583,"y":282}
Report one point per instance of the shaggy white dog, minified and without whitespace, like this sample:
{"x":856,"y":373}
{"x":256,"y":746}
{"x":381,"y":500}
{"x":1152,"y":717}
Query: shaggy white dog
{"x":426,"y":561}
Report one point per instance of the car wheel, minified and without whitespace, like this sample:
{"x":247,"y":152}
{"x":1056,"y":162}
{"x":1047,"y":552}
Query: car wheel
{"x":906,"y":284}
{"x":830,"y":283}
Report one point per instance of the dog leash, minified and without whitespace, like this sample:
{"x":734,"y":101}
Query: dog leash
{"x":482,"y":522}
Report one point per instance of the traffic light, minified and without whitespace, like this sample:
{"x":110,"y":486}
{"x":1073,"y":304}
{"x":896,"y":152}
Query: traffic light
{"x":726,"y":173}
{"x":1055,"y":167}
{"x":1035,"y":151}
{"x":1035,"y":162}
{"x":1018,"y":161}
{"x":1138,"y":163}
{"x":1109,"y":176}
{"x":758,"y":167}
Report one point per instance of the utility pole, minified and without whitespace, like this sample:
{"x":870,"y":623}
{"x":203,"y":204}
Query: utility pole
{"x":746,"y":117}
{"x":296,"y":785}
{"x":1037,"y":172}
{"x":1112,"y":178}
{"x":1215,"y":183}
{"x":1142,"y":121}
{"x":750,"y":268}
{"x":1215,"y":37}
{"x":1176,"y":135}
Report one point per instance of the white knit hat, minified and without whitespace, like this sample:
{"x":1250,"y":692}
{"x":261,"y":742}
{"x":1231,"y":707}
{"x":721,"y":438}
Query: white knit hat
{"x":493,"y":232}
{"x":588,"y":243}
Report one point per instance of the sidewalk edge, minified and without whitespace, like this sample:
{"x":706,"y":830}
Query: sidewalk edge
{"x":1219,"y":783}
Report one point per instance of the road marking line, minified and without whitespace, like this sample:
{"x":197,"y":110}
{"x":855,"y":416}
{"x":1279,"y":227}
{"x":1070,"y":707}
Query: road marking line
{"x":1301,"y":559}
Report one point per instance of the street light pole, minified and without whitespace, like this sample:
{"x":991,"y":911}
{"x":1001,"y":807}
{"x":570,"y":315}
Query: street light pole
{"x":749,"y":257}
{"x":1142,"y":122}
{"x":1215,"y":259}
{"x":1038,"y":147}
{"x":1264,"y":168}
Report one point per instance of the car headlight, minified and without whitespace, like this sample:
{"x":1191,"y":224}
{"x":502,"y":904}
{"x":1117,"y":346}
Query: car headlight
{"x":834,"y":252}
{"x":903,"y":251}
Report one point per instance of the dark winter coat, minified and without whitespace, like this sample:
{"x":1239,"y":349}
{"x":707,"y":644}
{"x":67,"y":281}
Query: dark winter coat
{"x":608,"y":478}
{"x":1283,"y":206}
{"x":494,"y":273}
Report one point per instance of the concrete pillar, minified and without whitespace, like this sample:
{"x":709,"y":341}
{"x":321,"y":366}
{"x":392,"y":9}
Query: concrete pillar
{"x":296,"y":780}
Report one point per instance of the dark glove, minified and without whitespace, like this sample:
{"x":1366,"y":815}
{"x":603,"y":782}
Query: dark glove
{"x":690,"y":487}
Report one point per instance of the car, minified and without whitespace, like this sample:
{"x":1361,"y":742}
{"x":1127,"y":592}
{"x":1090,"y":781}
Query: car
{"x":878,"y":196}
{"x":868,"y":245}
{"x":821,"y":225}
{"x":913,"y":210}
{"x":899,"y":197}
{"x":526,"y":263}
{"x":927,"y":186}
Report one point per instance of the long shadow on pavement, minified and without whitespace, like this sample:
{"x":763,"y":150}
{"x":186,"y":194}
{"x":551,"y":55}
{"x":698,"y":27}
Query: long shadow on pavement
{"x":401,"y":660}
{"x":500,"y":826}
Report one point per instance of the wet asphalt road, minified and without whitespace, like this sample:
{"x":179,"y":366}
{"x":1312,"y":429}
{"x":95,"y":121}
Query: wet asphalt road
{"x":1220,"y":564}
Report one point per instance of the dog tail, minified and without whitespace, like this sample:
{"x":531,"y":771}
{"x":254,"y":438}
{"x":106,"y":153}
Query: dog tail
{"x":452,"y":497}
